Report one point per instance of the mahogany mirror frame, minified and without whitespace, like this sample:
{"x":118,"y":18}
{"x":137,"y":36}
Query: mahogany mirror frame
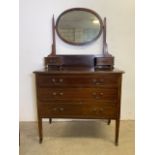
{"x":85,"y":10}
{"x":102,"y":29}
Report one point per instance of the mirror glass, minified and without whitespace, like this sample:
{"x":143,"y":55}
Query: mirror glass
{"x":79,"y":26}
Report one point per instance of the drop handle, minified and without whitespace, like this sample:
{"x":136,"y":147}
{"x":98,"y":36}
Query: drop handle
{"x":94,"y":110}
{"x":97,"y":97}
{"x":94,"y":80}
{"x":97,"y":83}
{"x":61,"y":80}
{"x":101,"y":109}
{"x":53,"y":80}
{"x":61,"y":109}
{"x":94,"y":93}
{"x":54,"y":93}
{"x":61,"y":93}
{"x":55,"y":109}
{"x":101,"y":94}
{"x":101,"y":80}
{"x":80,"y":102}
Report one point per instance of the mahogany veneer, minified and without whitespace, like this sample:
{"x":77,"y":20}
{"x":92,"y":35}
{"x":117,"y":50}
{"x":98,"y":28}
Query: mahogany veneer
{"x":79,"y":86}
{"x":84,"y":94}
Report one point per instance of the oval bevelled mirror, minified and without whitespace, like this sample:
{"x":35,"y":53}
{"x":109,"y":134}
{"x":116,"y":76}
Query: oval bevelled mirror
{"x":79,"y":26}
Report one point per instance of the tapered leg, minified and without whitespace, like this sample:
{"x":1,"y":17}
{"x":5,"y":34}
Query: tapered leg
{"x":40,"y":130}
{"x":117,"y":132}
{"x":19,"y":138}
{"x":50,"y":120}
{"x":109,"y":121}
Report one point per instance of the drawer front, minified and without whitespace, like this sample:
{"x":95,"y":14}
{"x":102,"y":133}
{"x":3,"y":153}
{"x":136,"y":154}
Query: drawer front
{"x":49,"y":94}
{"x":70,"y":110}
{"x":79,"y":102}
{"x":77,"y":80}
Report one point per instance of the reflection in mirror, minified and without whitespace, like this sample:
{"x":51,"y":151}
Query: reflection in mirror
{"x":78,"y":27}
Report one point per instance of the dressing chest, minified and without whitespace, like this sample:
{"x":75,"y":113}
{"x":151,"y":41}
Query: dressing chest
{"x":79,"y":86}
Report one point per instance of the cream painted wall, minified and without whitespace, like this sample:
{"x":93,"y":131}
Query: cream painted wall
{"x":35,"y":43}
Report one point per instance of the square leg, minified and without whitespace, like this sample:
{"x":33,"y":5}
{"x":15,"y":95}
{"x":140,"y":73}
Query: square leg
{"x":40,"y":130}
{"x":117,"y":132}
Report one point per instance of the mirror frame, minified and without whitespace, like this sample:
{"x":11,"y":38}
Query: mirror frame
{"x":80,"y":9}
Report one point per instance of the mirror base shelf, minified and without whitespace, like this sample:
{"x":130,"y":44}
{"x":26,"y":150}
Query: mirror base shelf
{"x":103,"y":62}
{"x":58,"y":62}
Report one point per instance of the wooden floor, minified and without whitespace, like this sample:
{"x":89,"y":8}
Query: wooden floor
{"x":76,"y":138}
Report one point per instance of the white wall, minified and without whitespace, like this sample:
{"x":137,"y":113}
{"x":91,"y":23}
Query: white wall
{"x":35,"y":44}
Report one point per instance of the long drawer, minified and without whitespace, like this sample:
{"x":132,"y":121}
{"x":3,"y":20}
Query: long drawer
{"x":76,"y":110}
{"x":62,"y":80}
{"x":79,"y":102}
{"x":49,"y":94}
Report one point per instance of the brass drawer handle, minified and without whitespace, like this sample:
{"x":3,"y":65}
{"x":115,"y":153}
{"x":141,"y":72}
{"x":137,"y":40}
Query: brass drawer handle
{"x":97,"y":83}
{"x":95,"y":110}
{"x":97,"y":97}
{"x":53,"y":80}
{"x":94,"y":93}
{"x":80,"y":102}
{"x":101,"y":109}
{"x":54,"y":93}
{"x":58,"y":81}
{"x":55,"y":109}
{"x":101,"y":80}
{"x":94,"y":80}
{"x":61,"y":80}
{"x":61,"y":93}
{"x":58,"y":109}
{"x":61,"y":109}
{"x":101,"y":93}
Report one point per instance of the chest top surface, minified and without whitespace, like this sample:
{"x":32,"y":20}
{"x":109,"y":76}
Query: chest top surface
{"x":79,"y":71}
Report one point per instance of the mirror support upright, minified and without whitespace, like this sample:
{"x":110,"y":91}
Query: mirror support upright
{"x":105,"y":46}
{"x":53,"y":52}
